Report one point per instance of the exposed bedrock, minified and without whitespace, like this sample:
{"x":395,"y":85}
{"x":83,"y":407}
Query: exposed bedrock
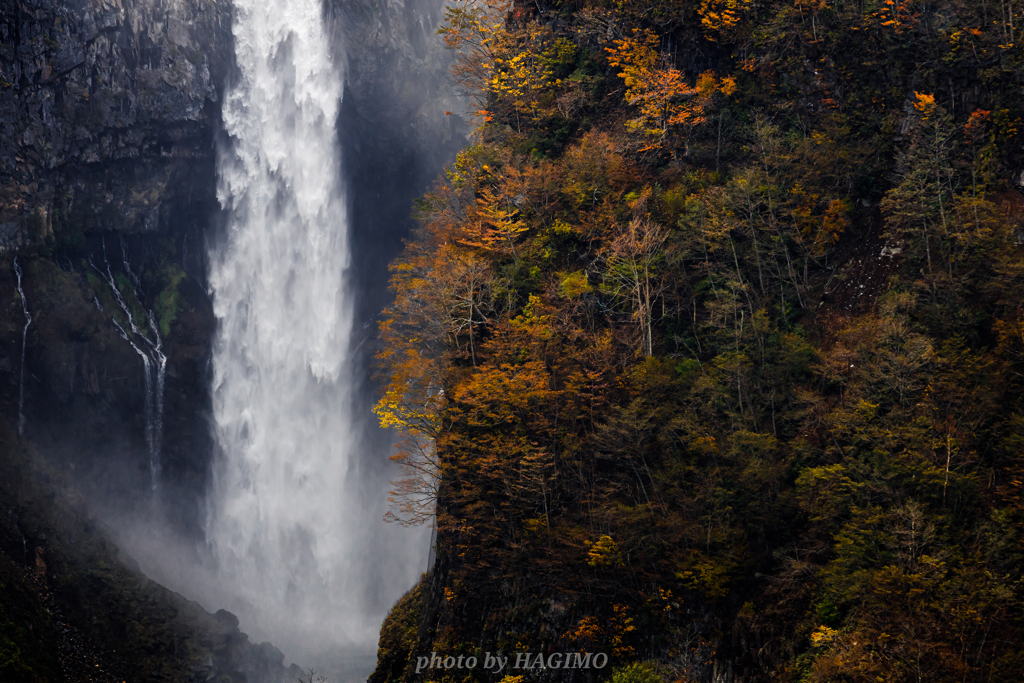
{"x":108,"y":113}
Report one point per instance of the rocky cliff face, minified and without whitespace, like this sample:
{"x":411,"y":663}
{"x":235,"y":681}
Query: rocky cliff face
{"x":400,"y":123}
{"x":108,"y":113}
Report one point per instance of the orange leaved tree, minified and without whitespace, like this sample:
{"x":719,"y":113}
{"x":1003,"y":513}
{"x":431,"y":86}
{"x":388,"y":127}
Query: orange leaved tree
{"x":666,"y":103}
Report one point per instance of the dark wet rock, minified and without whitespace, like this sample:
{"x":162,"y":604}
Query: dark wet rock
{"x":75,"y":610}
{"x":400,"y":123}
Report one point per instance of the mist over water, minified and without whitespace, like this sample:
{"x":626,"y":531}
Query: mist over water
{"x":294,"y":530}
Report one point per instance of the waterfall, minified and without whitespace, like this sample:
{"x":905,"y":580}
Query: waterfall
{"x":283,"y":524}
{"x":24,"y":340}
{"x":154,"y":362}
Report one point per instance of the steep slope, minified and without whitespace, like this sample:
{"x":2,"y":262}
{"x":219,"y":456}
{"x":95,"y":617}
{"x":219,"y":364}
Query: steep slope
{"x":709,"y":351}
{"x":74,"y":609}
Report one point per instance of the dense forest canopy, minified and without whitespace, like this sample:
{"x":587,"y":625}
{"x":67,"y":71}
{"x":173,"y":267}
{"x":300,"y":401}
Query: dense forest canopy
{"x":710,"y":349}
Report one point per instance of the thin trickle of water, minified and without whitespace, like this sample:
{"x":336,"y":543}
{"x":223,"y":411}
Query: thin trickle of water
{"x":155,"y":390}
{"x":158,"y":400}
{"x":24,"y":340}
{"x":154,"y":364}
{"x":154,"y":468}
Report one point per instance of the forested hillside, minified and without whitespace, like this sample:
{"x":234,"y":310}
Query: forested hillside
{"x":710,"y":349}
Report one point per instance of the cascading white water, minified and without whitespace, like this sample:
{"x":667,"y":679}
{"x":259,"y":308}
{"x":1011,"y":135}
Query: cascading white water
{"x":294,"y":546}
{"x":24,"y":340}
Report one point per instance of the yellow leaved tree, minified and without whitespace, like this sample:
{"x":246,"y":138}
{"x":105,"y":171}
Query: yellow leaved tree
{"x":721,"y":17}
{"x":506,"y":64}
{"x":441,"y":300}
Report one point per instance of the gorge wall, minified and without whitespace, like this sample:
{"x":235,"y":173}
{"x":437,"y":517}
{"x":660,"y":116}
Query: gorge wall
{"x":109,"y":116}
{"x":108,"y":120}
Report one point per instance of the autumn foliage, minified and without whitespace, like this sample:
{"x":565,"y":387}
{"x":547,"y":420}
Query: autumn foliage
{"x":709,"y":351}
{"x":659,"y":91}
